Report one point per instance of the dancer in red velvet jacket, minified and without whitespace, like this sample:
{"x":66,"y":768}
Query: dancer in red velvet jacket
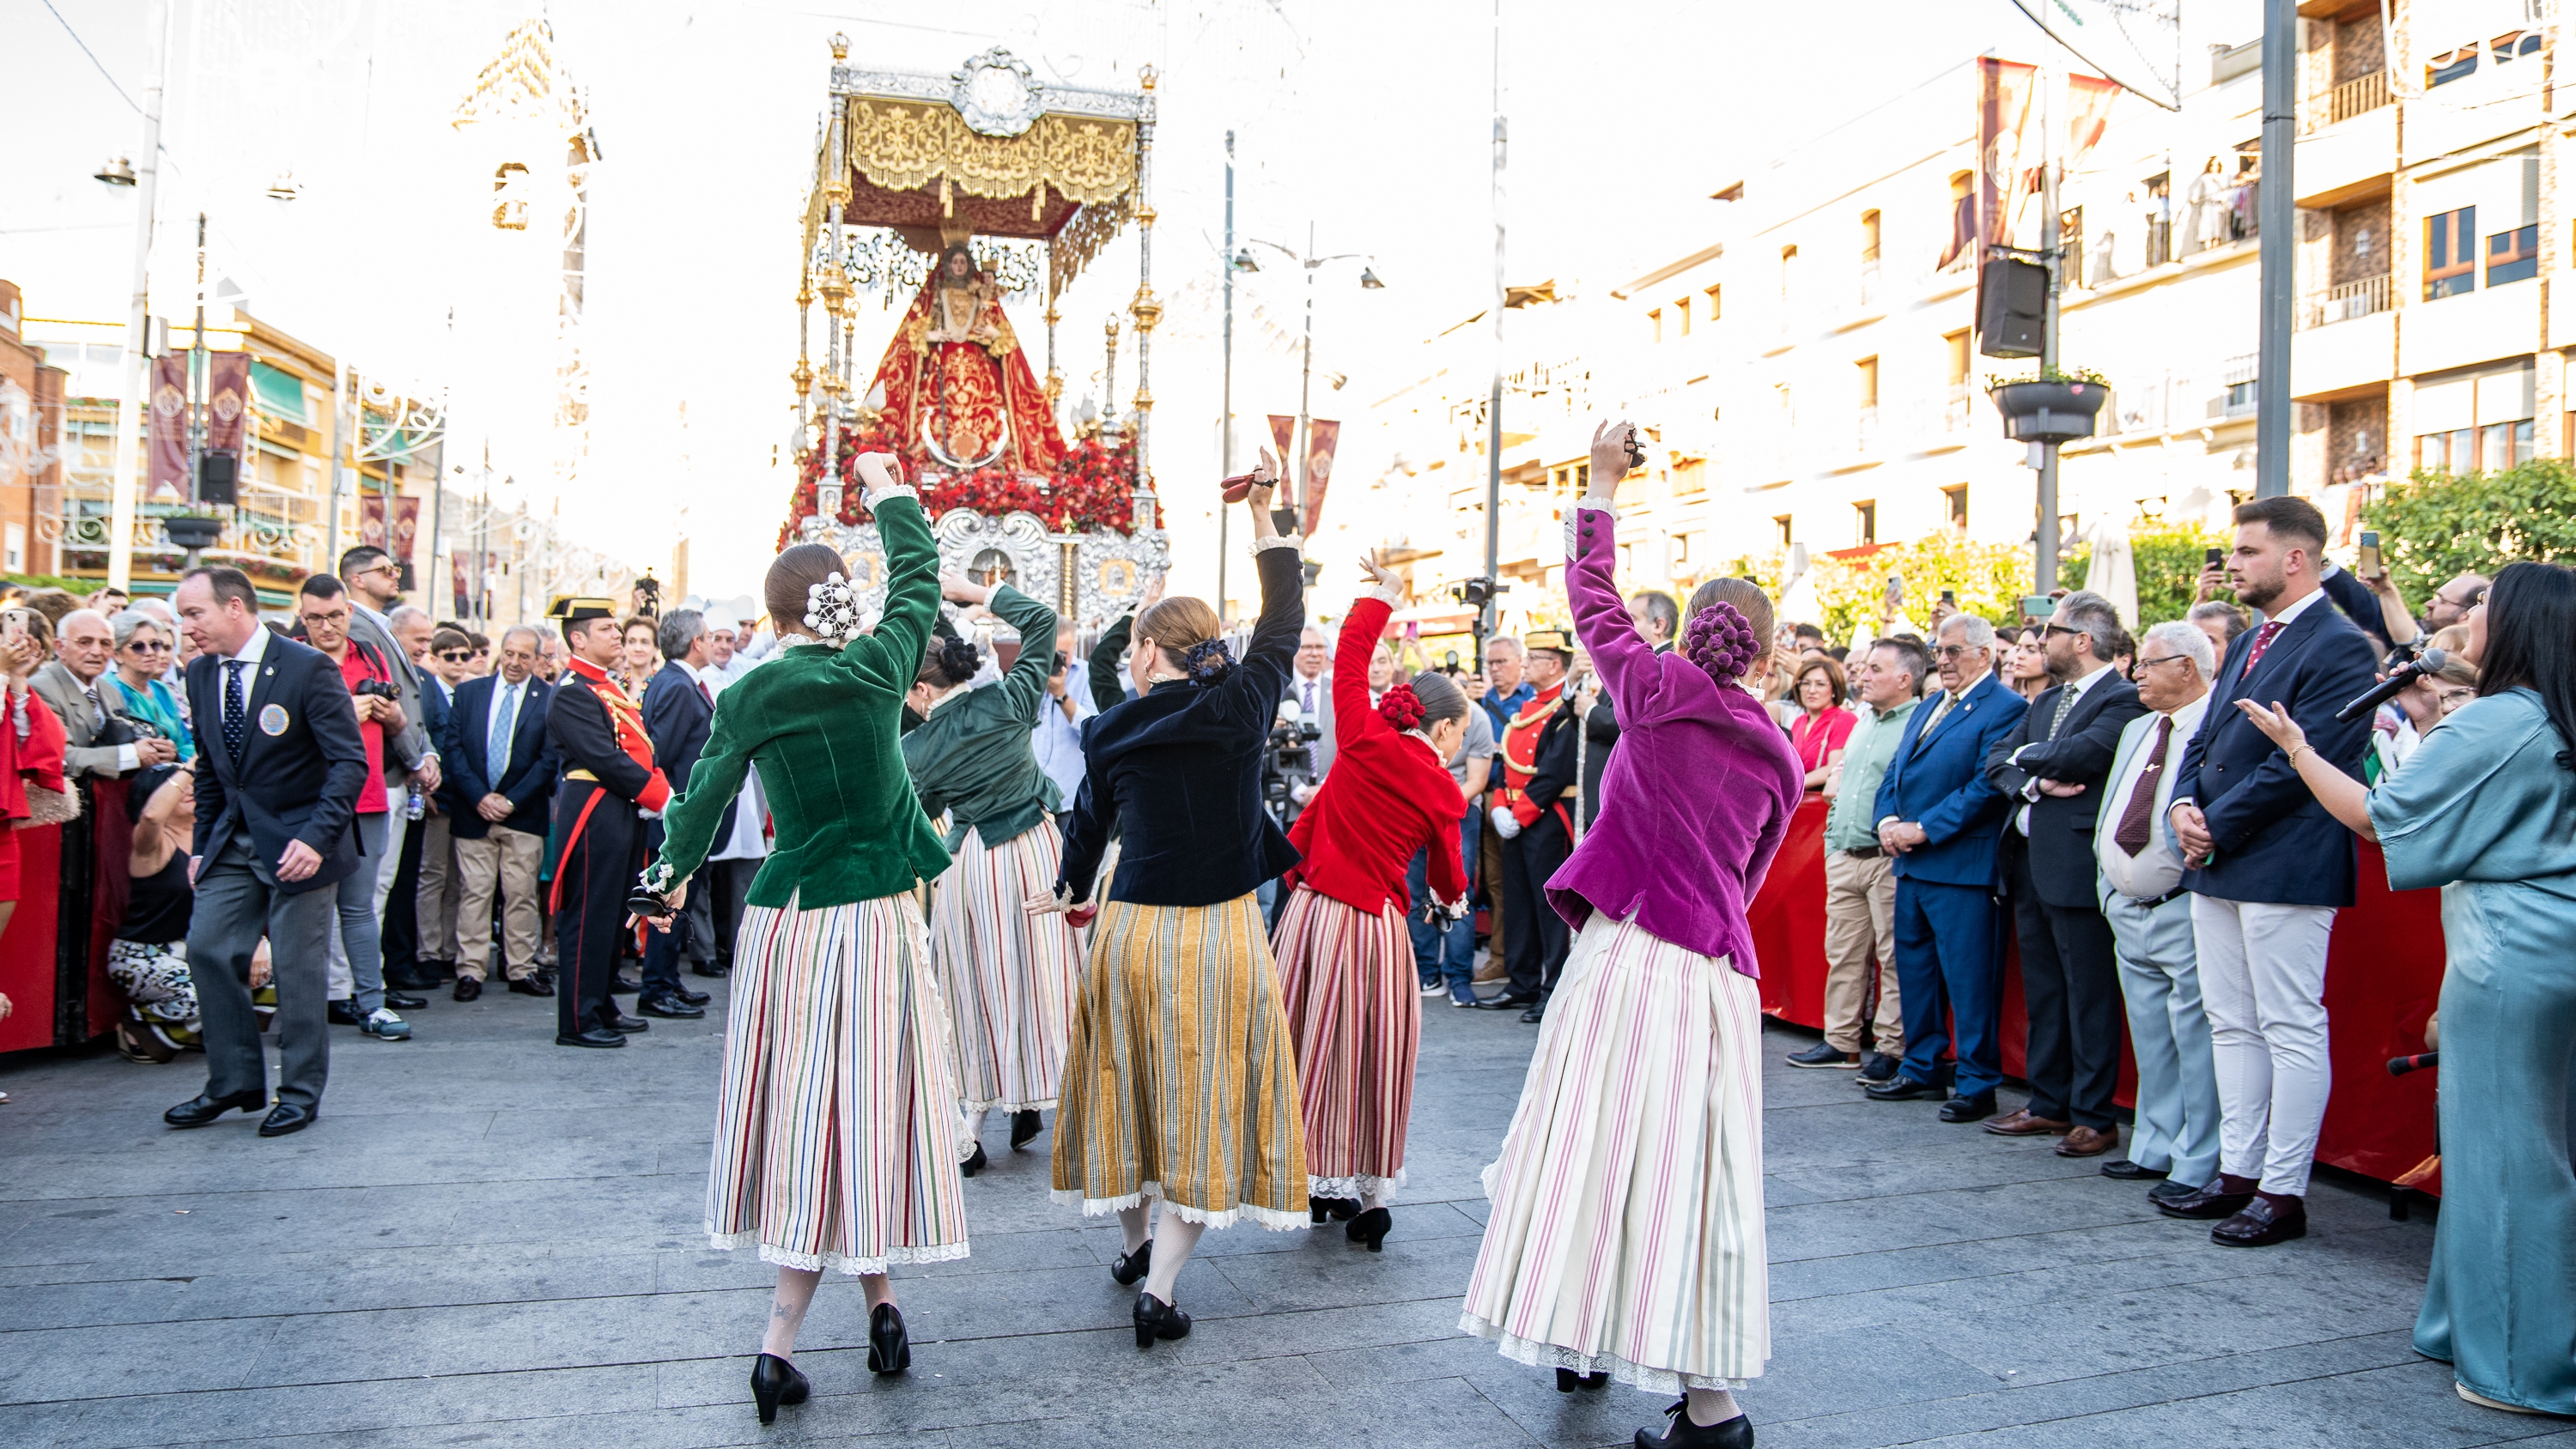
{"x":1625,"y":1237}
{"x":1346,"y":969}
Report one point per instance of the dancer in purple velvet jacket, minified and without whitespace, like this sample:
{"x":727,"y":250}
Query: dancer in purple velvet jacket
{"x":1625,"y":1238}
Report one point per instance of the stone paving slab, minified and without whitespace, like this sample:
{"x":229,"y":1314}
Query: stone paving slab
{"x":490,"y":1241}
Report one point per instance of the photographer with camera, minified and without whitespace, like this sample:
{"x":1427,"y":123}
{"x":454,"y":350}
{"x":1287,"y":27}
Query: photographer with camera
{"x":358,"y":998}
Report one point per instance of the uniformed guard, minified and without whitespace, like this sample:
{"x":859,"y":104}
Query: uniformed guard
{"x":1534,"y":819}
{"x":609,"y":784}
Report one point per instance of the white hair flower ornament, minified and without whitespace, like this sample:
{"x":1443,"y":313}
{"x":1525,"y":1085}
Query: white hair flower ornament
{"x":832,"y":610}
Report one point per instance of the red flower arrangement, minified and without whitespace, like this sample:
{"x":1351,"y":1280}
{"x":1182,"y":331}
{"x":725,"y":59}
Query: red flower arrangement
{"x":1091,"y":489}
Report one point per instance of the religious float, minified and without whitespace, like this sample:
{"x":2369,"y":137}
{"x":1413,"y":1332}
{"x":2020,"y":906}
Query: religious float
{"x":957,"y":191}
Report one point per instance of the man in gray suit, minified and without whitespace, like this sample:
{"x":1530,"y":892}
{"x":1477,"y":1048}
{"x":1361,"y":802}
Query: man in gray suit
{"x":2176,"y":1136}
{"x":84,"y":645}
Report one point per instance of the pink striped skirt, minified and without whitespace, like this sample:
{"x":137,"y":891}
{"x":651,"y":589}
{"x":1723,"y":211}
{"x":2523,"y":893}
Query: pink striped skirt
{"x":1626,"y":1230}
{"x":1354,"y":1003}
{"x":1009,"y":977}
{"x":836,"y":1123}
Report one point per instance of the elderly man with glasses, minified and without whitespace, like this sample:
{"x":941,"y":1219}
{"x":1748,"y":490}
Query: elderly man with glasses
{"x":85,"y":644}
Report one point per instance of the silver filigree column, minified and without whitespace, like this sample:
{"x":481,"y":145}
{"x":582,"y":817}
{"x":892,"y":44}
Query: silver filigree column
{"x":1144,"y":309}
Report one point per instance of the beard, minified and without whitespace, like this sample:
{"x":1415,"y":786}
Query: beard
{"x":2261,"y":593}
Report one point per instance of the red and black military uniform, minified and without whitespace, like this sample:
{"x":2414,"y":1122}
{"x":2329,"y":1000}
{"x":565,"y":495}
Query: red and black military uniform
{"x":1539,"y":789}
{"x":609,"y":779}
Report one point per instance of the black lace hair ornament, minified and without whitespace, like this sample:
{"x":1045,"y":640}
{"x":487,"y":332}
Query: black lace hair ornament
{"x":1208,"y":661}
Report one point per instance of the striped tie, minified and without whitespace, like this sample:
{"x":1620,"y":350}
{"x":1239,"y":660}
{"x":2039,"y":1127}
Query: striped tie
{"x":496,"y":751}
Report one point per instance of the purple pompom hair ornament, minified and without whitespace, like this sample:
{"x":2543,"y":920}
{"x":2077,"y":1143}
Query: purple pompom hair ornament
{"x":1721,"y":641}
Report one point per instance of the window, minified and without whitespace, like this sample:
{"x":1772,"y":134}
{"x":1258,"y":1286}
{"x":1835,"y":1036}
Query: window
{"x":2489,"y":448}
{"x":1788,"y":271}
{"x":1867,"y":368}
{"x":1782,"y":524}
{"x":2450,"y":256}
{"x":1712,"y":304}
{"x":1690,"y":477}
{"x":1682,"y":551}
{"x":2160,"y":219}
{"x":1655,"y":323}
{"x":2512,"y":44}
{"x":2451,"y":65}
{"x":1681,"y":311}
{"x":2513,"y":256}
{"x":1955,"y":500}
{"x":1865,"y":523}
{"x":1957,"y":343}
{"x":1962,"y":248}
{"x":16,"y":554}
{"x":2502,"y":445}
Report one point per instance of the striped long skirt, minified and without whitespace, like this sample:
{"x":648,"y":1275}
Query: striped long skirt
{"x":1009,"y":976}
{"x":836,"y":1124}
{"x":1180,"y":1083}
{"x":1626,"y":1227}
{"x":1354,"y":1006}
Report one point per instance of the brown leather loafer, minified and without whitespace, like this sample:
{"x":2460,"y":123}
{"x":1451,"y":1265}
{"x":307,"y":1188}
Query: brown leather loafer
{"x":2019,"y":1123}
{"x":2263,"y":1222}
{"x":2086,"y":1142}
{"x":2210,"y":1202}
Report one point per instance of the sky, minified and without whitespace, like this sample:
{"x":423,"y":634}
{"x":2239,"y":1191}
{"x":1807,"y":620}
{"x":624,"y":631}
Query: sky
{"x":1368,"y":122}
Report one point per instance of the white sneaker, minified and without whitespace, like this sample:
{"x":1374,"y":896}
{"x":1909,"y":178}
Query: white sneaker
{"x":385,"y":1026}
{"x":1435,"y":988}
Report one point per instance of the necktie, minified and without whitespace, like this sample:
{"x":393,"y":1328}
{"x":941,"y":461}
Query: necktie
{"x":1310,"y":696}
{"x":233,"y":722}
{"x":1931,"y":722}
{"x":496,"y":750}
{"x":2262,"y":640}
{"x":2065,"y":706}
{"x":2133,"y":833}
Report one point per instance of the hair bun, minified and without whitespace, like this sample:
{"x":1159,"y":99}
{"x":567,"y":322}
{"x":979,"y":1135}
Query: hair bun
{"x":958,"y":659}
{"x":1402,"y":708}
{"x":1208,"y":661}
{"x":1721,"y":641}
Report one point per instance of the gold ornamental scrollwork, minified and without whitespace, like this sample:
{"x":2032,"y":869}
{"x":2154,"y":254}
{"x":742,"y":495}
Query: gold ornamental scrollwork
{"x":902,"y":146}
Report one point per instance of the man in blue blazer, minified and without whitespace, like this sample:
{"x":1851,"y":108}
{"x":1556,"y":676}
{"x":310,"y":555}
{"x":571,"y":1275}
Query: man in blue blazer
{"x":679,"y":714}
{"x":1940,"y":819}
{"x":503,"y":766}
{"x":2267,"y":868}
{"x":279,"y":768}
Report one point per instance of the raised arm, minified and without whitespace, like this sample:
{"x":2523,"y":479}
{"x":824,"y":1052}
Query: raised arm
{"x":1630,"y":671}
{"x":1258,"y":686}
{"x":1353,"y":719}
{"x":1026,"y":684}
{"x":1102,"y":671}
{"x":891,"y":656}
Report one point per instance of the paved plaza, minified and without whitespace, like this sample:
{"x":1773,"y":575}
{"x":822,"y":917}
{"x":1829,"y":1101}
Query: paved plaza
{"x":490,"y":1241}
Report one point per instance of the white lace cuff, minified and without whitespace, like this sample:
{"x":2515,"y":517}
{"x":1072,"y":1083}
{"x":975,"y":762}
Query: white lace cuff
{"x":897,"y":490}
{"x":1282,"y":540}
{"x":1574,"y":522}
{"x":1391,"y":594}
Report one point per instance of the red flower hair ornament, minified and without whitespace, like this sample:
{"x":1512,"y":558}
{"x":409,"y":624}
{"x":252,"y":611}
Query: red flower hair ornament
{"x":1402,"y":708}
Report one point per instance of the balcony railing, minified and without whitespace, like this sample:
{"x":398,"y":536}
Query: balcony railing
{"x":1865,"y":436}
{"x":1868,"y":278}
{"x":1957,"y":412}
{"x":2354,"y":97}
{"x":2345,"y":302}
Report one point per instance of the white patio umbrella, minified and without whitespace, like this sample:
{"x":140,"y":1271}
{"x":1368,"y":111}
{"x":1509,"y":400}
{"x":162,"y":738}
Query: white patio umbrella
{"x":2114,"y":571}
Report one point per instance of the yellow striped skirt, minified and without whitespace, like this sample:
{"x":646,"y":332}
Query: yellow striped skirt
{"x":836,"y":1125}
{"x":1009,"y":976}
{"x":1180,"y":1082}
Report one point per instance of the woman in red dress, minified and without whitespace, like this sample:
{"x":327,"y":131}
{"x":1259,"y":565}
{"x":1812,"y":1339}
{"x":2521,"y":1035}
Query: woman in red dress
{"x":1345,"y":958}
{"x":1822,"y":725}
{"x":955,"y":386}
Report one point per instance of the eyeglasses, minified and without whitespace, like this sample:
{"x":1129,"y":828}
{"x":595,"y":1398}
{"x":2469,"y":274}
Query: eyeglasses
{"x":2160,"y":659}
{"x":2052,"y":628}
{"x":456,"y":656}
{"x":1953,"y":651}
{"x":380,"y":566}
{"x":147,"y":646}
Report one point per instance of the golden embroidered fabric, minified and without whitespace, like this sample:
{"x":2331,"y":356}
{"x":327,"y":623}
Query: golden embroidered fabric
{"x":902,"y":145}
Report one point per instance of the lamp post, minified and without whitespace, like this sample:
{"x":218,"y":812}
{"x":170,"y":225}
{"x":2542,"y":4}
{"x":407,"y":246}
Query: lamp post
{"x":1306,"y":364}
{"x":138,"y":368}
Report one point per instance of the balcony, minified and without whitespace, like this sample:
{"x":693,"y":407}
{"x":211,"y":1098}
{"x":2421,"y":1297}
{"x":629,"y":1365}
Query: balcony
{"x":2353,"y":98}
{"x":1957,"y":411}
{"x":1865,"y":434}
{"x":2349,"y":150}
{"x":2345,"y":302}
{"x":1868,"y":278}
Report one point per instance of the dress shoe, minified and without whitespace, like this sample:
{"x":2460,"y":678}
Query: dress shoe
{"x":2211,"y":1202}
{"x":1158,"y":1319}
{"x":1901,"y":1089}
{"x":468,"y":988}
{"x":974,"y":1164}
{"x":1969,"y":1109}
{"x":343,"y":1012}
{"x":1567,"y":1380}
{"x":2087,"y":1142}
{"x":400,"y":1002}
{"x":775,"y":1381}
{"x":532,"y":986}
{"x":1025,"y":1127}
{"x":616,"y":1020}
{"x":670,"y":1006}
{"x":2020,"y":1123}
{"x":623,"y":985}
{"x":2127,"y":1171}
{"x":1369,"y":1229}
{"x":712,"y":972}
{"x":201,"y":1109}
{"x":286,"y":1117}
{"x":1128,"y":1268}
{"x":889,"y":1347}
{"x":597,"y":1036}
{"x":1536,"y":1014}
{"x":1509,"y":1001}
{"x":2170,"y":1191}
{"x":694,"y":998}
{"x":1880,"y":1067}
{"x":2259,"y":1224}
{"x":1681,"y":1433}
{"x":1824,"y":1054}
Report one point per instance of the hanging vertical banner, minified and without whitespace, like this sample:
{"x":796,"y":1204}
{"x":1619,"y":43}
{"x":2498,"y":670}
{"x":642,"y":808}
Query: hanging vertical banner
{"x":169,"y":483}
{"x":464,"y":595}
{"x":2005,"y":89}
{"x":227,"y":400}
{"x":2088,"y":115}
{"x":1283,"y":440}
{"x":406,"y":525}
{"x":1321,"y":436}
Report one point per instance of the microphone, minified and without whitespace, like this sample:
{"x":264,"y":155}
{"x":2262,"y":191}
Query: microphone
{"x":2428,"y":662}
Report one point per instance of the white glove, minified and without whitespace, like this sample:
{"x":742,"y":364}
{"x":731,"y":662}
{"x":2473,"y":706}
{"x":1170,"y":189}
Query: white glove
{"x":1504,"y":825}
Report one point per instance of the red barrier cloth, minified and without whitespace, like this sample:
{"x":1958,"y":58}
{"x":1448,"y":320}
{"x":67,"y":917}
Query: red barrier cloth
{"x":27,"y":947}
{"x":1787,"y":917}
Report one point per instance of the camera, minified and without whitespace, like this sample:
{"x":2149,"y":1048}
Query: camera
{"x":377,"y":687}
{"x":1475,"y":592}
{"x":1287,"y":761}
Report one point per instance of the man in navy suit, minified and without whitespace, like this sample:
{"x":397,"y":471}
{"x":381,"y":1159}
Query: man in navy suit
{"x":2267,"y":868}
{"x":678,"y":714}
{"x":279,"y":768}
{"x":1939,"y":818}
{"x":503,"y":766}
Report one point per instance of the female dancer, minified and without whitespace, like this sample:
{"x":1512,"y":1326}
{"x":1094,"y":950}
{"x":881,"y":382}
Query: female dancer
{"x":1008,"y":976}
{"x":1626,"y":1231}
{"x":836,"y":1128}
{"x":1345,"y":957}
{"x":1180,"y":1084}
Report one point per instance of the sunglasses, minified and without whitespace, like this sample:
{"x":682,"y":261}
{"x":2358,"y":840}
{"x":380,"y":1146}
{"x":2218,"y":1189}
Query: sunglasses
{"x":147,"y":646}
{"x":456,"y":656}
{"x":2053,"y":628}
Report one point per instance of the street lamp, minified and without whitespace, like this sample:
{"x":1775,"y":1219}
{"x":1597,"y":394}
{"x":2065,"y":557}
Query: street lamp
{"x":1306,"y":366}
{"x":117,"y":172}
{"x":285,"y":187}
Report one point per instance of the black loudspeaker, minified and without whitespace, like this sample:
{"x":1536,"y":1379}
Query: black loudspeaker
{"x":2012,"y":307}
{"x":218,"y":479}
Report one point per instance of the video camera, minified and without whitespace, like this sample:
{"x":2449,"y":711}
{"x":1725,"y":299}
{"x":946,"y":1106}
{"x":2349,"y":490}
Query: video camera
{"x":1287,"y":761}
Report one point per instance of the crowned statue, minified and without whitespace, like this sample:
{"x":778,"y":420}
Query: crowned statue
{"x":954,"y":383}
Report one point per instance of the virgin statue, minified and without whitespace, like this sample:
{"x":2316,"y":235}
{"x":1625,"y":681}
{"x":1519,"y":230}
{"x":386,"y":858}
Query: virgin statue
{"x":957,"y":388}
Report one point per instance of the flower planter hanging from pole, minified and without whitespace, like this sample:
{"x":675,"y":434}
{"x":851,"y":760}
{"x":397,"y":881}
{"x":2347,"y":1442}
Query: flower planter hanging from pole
{"x":2049,"y":412}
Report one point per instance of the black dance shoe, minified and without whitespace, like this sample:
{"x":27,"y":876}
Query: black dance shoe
{"x":1157,"y":1319}
{"x":1369,"y":1228}
{"x":1681,"y":1433}
{"x":1127,"y":1268}
{"x":1332,"y":1209}
{"x":203,"y":1108}
{"x":889,"y":1347}
{"x":1567,"y":1380}
{"x":1025,"y":1127}
{"x":775,"y":1381}
{"x":976,"y":1163}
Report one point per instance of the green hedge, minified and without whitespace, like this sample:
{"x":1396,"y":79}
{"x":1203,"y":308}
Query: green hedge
{"x":2436,"y":525}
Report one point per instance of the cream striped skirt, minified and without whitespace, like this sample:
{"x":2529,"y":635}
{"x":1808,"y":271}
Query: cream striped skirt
{"x":836,"y":1125}
{"x":1354,"y":1003}
{"x":1009,"y":976}
{"x":1180,"y":1083}
{"x":1626,"y":1228}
